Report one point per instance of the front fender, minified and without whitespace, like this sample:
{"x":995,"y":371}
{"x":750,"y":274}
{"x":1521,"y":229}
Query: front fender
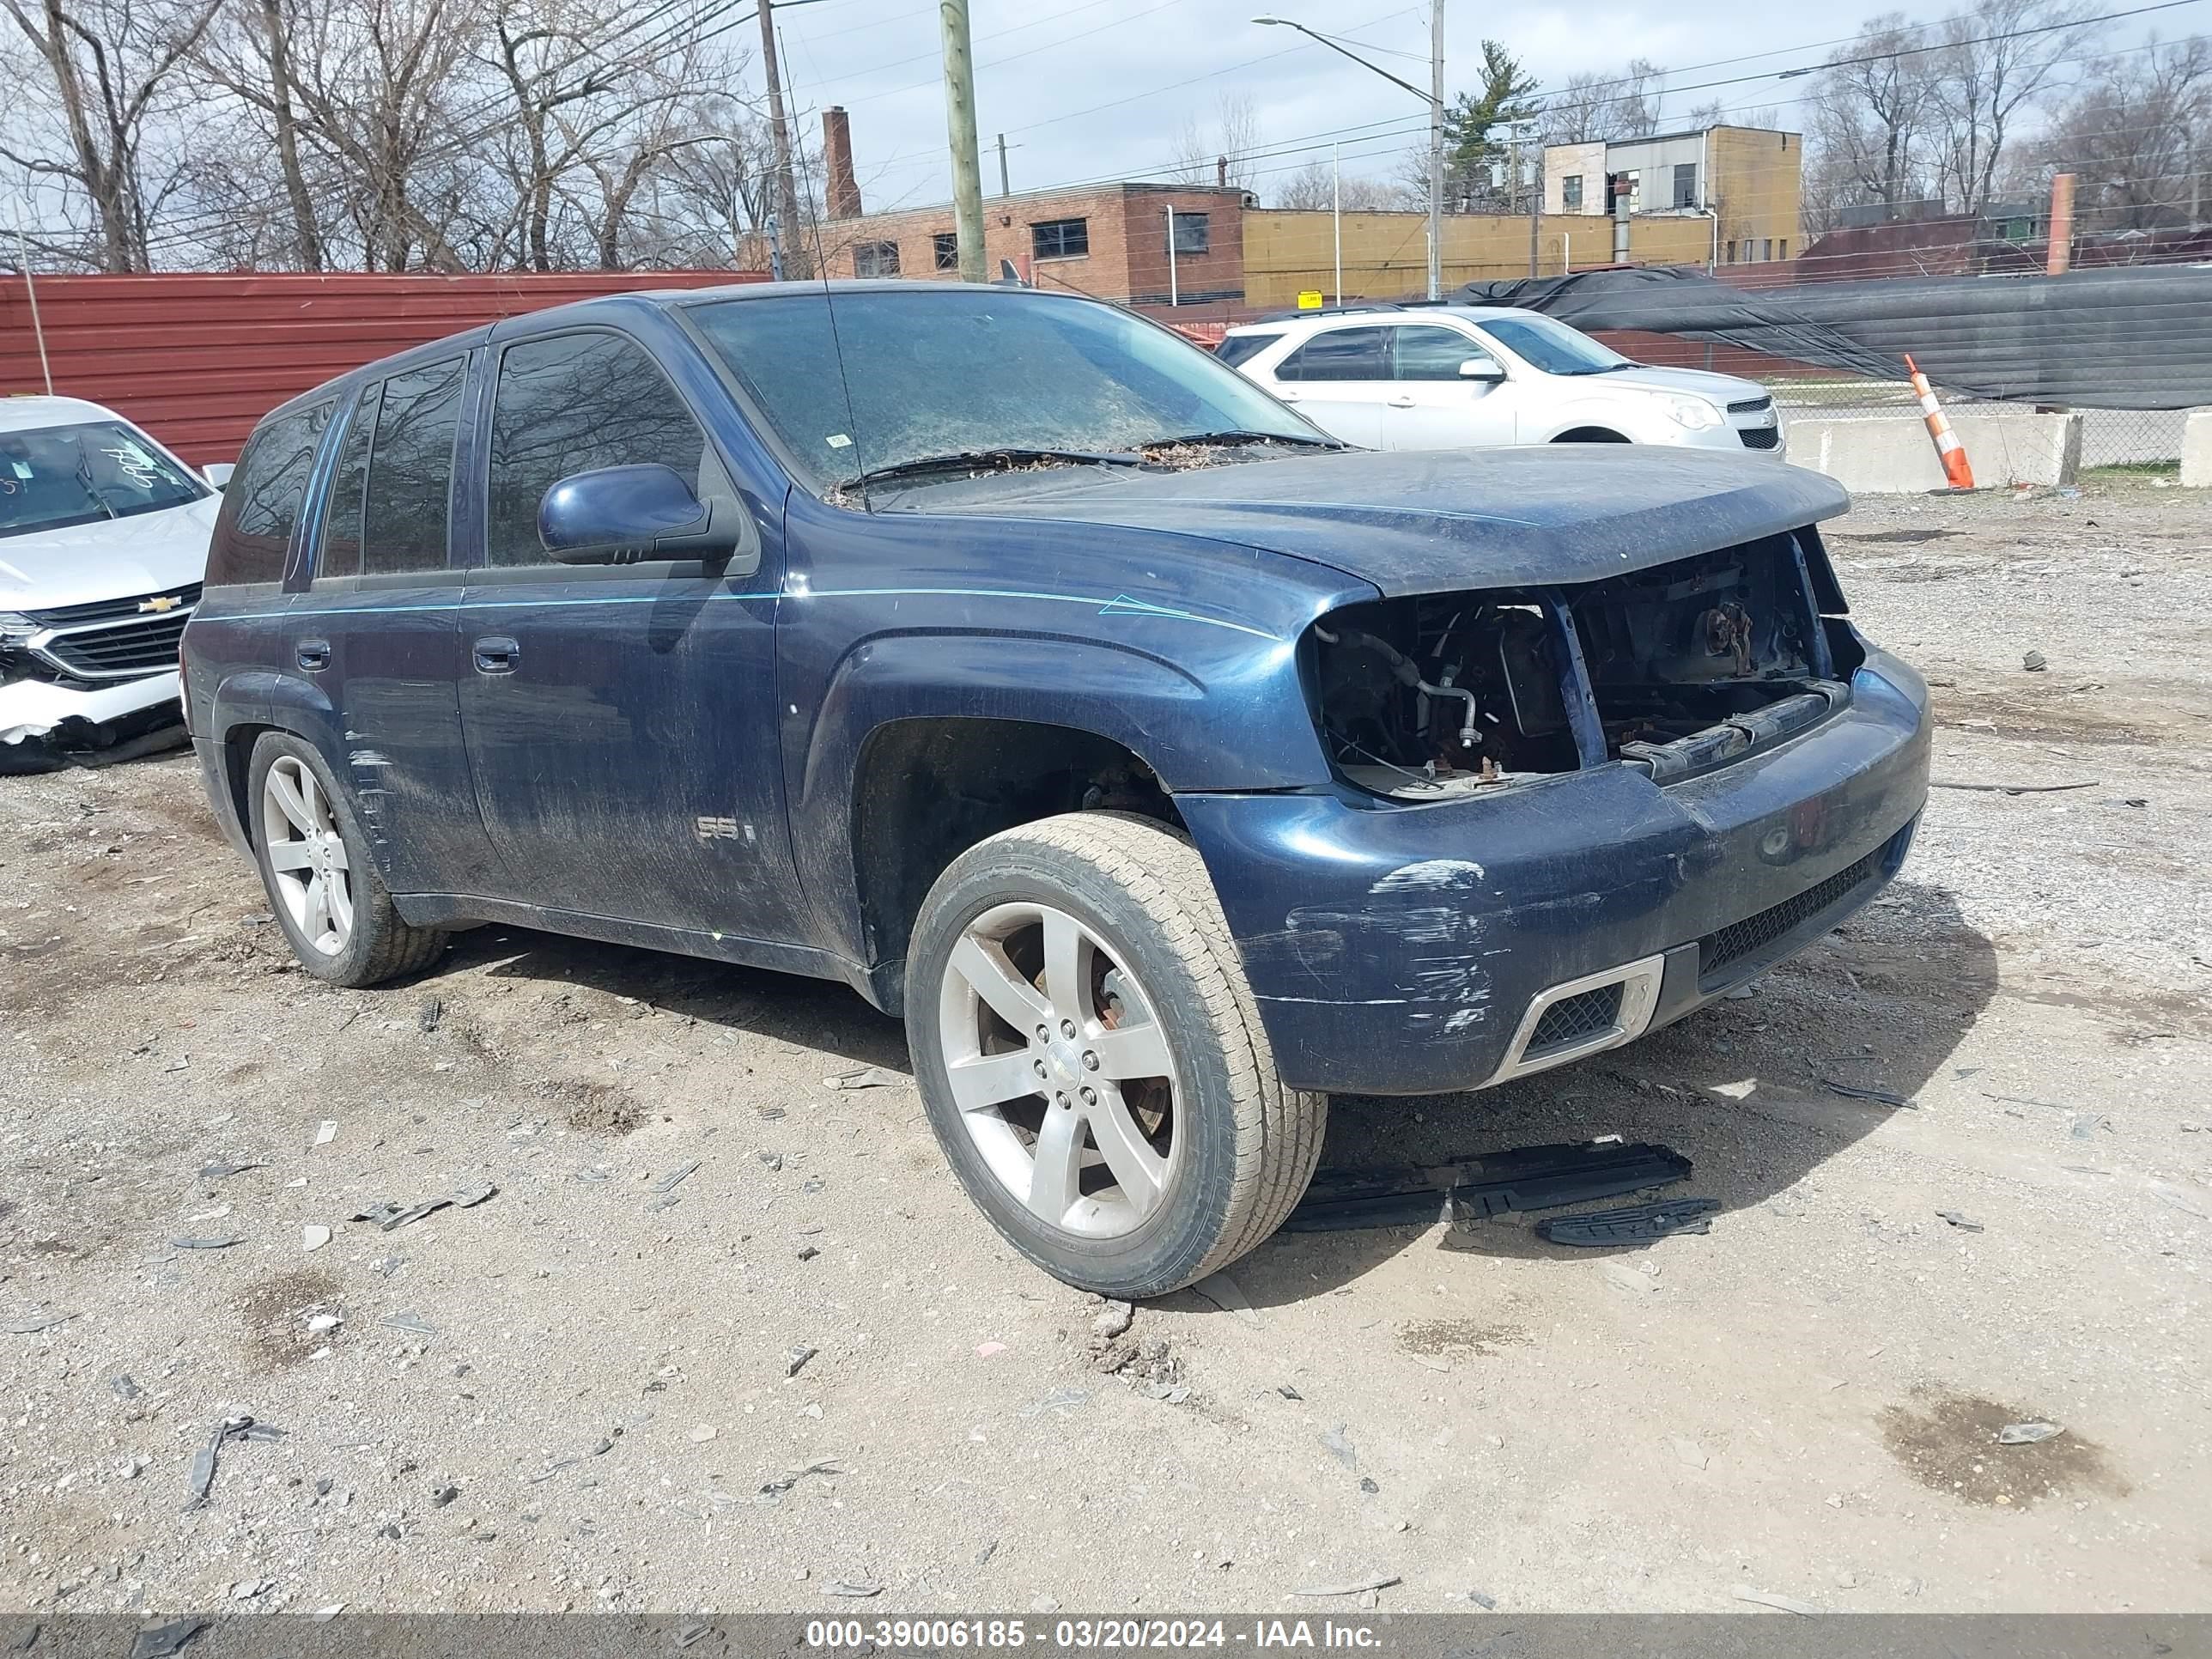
{"x":1638,"y":426}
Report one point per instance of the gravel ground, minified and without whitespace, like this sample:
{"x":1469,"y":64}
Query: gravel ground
{"x":585,"y":1391}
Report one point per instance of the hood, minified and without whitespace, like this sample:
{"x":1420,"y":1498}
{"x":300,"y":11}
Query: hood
{"x":1430,"y":521}
{"x":108,"y":559}
{"x":1722,"y":389}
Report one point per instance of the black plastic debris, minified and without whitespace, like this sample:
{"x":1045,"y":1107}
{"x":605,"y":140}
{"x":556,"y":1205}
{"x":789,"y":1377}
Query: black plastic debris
{"x":1961,"y":1219}
{"x":389,"y":1216}
{"x":1631,"y":1223}
{"x":224,"y":1171}
{"x":160,"y":1641}
{"x":1856,"y":1091}
{"x":200,"y":1481}
{"x":1470,"y":1188}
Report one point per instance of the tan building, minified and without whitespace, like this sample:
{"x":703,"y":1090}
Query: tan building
{"x":1744,"y":183}
{"x":1386,"y":255}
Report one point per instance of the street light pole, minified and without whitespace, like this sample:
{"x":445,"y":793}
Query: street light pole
{"x":1434,"y":98}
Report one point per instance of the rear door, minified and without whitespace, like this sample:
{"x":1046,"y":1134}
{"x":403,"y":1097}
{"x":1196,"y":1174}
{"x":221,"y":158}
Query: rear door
{"x":377,"y":626}
{"x":621,"y":719}
{"x":1338,"y":380}
{"x":1431,"y":405}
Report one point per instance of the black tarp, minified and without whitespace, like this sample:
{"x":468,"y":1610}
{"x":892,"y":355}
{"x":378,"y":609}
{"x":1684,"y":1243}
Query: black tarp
{"x":2139,"y":338}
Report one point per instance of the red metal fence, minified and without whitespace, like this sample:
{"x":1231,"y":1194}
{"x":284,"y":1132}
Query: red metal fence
{"x":197,"y":360}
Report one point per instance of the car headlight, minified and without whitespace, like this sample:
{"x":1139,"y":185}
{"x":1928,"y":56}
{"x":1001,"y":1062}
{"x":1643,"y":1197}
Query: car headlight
{"x":15,"y":627}
{"x":1693,"y":413}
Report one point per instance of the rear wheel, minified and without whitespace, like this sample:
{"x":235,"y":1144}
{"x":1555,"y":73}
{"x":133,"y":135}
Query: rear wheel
{"x":1091,"y":1060}
{"x":315,"y":862}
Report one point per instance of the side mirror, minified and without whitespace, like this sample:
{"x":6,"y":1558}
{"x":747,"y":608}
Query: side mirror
{"x":218,"y":473}
{"x":627,"y":514}
{"x":1482,"y":368}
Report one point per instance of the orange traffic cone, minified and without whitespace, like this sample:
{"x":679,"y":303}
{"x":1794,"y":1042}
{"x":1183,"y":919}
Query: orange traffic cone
{"x":1949,"y":450}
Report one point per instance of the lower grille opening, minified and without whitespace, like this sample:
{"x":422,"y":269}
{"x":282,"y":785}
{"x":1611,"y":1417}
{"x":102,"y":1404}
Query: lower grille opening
{"x":1572,"y":1019}
{"x":1740,"y":941}
{"x":1759,"y":437}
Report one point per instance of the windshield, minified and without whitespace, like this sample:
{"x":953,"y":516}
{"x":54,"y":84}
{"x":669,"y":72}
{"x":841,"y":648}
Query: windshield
{"x":1552,"y":346}
{"x":56,"y":476}
{"x":944,"y":371}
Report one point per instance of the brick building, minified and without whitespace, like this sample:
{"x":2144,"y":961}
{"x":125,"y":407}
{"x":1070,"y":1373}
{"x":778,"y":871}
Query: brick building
{"x":1109,"y":240}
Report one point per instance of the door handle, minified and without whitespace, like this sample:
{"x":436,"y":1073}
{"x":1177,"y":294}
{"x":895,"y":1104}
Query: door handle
{"x":313,"y":655}
{"x":497,"y":655}
{"x":1401,"y":402}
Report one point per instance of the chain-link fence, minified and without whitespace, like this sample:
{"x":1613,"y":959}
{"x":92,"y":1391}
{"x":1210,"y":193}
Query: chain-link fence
{"x":2146,"y":438}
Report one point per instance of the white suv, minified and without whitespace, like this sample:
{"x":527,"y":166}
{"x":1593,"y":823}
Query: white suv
{"x":103,"y":542}
{"x":1447,"y":377}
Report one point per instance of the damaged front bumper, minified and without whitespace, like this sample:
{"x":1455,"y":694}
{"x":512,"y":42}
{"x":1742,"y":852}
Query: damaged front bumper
{"x":45,"y":719}
{"x":1414,"y":949}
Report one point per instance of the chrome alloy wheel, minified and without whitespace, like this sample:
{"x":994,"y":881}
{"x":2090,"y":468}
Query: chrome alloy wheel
{"x":1061,"y":1073}
{"x":307,"y":855}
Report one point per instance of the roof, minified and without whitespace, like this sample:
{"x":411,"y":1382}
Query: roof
{"x":1385,"y":312}
{"x":22,"y":414}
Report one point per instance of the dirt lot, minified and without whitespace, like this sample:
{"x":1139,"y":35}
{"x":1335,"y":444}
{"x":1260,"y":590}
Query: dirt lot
{"x":574,"y":1394}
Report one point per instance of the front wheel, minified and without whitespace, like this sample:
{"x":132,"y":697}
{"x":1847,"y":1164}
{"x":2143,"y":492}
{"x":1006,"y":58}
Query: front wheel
{"x":1091,"y":1059}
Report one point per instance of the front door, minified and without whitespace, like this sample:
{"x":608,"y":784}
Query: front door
{"x":1430,"y":405}
{"x":621,"y":720}
{"x":377,"y":629}
{"x":1338,"y":380}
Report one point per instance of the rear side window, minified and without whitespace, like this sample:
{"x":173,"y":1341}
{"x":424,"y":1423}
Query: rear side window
{"x":1342,"y":354}
{"x":1431,"y":353}
{"x":1239,"y":348}
{"x":570,"y":405}
{"x":410,"y":470}
{"x":261,"y":507}
{"x":340,"y":552}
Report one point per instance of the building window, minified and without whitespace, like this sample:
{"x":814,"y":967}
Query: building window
{"x":1190,"y":233}
{"x":1766,"y":249}
{"x":1571,"y":193}
{"x":1730,"y":258}
{"x":1783,"y":247}
{"x":945,"y":250}
{"x":875,"y":259}
{"x":1061,"y":239}
{"x":1686,"y":184}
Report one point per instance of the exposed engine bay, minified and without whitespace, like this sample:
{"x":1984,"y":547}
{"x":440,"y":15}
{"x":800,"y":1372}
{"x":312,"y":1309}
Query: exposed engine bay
{"x":1674,"y":669}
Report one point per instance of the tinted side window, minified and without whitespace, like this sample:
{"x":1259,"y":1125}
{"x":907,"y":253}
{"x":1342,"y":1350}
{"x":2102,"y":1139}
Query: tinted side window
{"x":1237,"y":348}
{"x":1343,"y":353}
{"x":261,"y":507}
{"x":569,"y":404}
{"x":1430,"y":354}
{"x":340,"y":552}
{"x":411,"y":469}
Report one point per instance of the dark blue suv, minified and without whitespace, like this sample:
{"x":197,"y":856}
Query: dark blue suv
{"x":1165,"y":763}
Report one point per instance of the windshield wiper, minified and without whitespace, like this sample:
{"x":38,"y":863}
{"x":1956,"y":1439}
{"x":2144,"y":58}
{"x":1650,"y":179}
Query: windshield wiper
{"x":1002,"y":460}
{"x":1244,"y":438}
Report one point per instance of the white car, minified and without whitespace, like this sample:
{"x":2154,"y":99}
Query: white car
{"x":1449,"y":377}
{"x":103,"y":541}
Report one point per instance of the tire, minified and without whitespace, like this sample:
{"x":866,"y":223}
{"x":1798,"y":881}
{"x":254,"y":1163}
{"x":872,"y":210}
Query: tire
{"x":1219,"y":1160}
{"x":375,"y":944}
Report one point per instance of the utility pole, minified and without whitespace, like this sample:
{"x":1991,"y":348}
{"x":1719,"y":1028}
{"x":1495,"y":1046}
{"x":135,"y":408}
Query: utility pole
{"x":960,"y":136}
{"x":786,"y":187}
{"x":1435,"y":149}
{"x":1004,"y":188}
{"x":1336,"y":218}
{"x":1174,"y":293}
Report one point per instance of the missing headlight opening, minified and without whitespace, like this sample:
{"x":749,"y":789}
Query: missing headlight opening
{"x":1683,"y":667}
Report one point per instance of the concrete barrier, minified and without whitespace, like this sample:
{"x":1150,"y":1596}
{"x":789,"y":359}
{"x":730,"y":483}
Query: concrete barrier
{"x":1875,"y":454}
{"x":2197,"y":450}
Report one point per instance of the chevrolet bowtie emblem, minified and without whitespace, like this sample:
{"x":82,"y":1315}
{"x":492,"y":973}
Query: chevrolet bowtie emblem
{"x":158,"y":602}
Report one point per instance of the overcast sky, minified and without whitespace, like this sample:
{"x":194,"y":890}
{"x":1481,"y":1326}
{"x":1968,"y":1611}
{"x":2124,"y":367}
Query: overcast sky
{"x":1097,"y":88}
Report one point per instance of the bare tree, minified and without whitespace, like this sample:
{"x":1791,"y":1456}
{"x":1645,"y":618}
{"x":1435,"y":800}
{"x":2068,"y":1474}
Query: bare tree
{"x":1870,"y":113}
{"x":1219,"y":149}
{"x":1998,"y":58}
{"x":1591,"y":108}
{"x":2138,"y":136}
{"x":1315,"y":186}
{"x":107,"y":65}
